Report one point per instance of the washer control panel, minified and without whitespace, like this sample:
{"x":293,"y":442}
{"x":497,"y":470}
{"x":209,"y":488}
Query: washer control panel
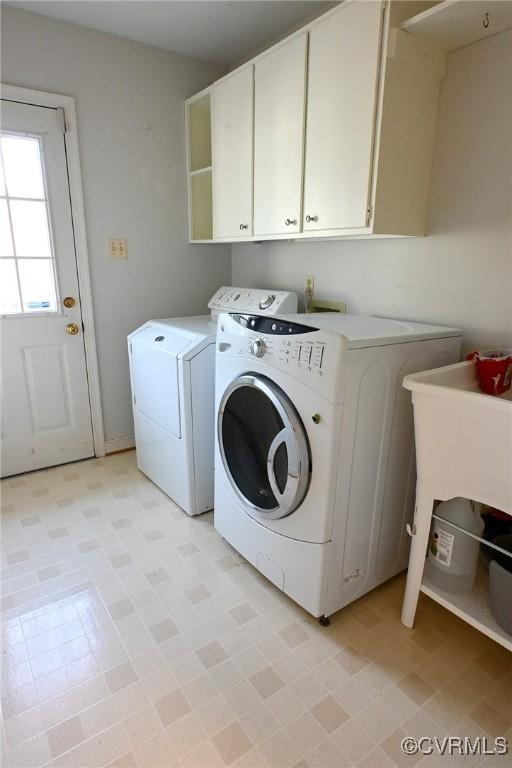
{"x":270,"y":345}
{"x":303,"y":354}
{"x":279,"y":342}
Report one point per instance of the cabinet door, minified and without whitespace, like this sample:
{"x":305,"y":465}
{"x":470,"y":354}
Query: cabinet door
{"x":279,"y":97}
{"x":232,"y":147}
{"x":344,"y":54}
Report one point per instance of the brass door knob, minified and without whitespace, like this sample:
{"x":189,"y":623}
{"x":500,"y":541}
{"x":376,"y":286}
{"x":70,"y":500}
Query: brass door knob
{"x":69,"y":302}
{"x":72,"y":329}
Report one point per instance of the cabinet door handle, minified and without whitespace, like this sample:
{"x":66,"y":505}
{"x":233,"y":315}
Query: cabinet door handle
{"x":309,"y":219}
{"x":290,"y":222}
{"x":244,"y":226}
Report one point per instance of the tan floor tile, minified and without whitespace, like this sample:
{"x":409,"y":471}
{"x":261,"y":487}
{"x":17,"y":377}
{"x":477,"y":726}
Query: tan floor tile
{"x":490,"y":719}
{"x":156,"y":752}
{"x":215,"y":715}
{"x":232,"y":742}
{"x":416,"y":688}
{"x":266,"y":682}
{"x":198,"y":594}
{"x":279,"y":751}
{"x":351,"y":661}
{"x":164,"y":630}
{"x":212,"y":654}
{"x":329,"y":714}
{"x":142,"y":725}
{"x":353,"y":741}
{"x":30,"y":754}
{"x":305,"y":732}
{"x":259,"y":724}
{"x":392,"y":748}
{"x":243,"y":613}
{"x":326,"y":755}
{"x":121,"y":608}
{"x":293,"y":635}
{"x":65,"y":736}
{"x":171,"y":707}
{"x":186,"y":734}
{"x":120,"y":676}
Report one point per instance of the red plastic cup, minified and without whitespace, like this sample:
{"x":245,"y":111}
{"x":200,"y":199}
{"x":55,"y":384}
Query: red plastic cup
{"x":494,"y":370}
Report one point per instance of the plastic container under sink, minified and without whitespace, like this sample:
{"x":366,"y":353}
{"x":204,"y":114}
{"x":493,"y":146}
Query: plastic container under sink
{"x":452,"y":554}
{"x":500,"y":583}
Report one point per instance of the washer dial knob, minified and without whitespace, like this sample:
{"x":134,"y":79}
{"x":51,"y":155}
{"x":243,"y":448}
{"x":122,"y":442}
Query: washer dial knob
{"x":267,"y":301}
{"x":258,"y":347}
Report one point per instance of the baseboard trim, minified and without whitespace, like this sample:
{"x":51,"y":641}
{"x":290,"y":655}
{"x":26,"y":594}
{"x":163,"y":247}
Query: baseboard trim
{"x":119,"y":445}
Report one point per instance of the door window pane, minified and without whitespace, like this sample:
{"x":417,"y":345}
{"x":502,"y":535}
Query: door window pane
{"x":5,"y":231}
{"x":37,"y":285}
{"x":27,"y":261}
{"x":9,"y":294}
{"x":22,"y":166}
{"x":30,"y":226}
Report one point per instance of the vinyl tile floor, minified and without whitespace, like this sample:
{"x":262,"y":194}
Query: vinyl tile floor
{"x":133,"y":635}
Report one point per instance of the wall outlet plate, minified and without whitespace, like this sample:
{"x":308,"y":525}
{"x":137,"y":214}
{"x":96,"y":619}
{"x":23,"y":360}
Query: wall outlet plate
{"x":117,"y":249}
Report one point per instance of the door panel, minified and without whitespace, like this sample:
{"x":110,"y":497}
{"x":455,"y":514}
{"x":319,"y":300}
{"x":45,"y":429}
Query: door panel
{"x":47,"y":382}
{"x":45,"y":398}
{"x":232,"y":155}
{"x":344,"y":52}
{"x":279,"y":96}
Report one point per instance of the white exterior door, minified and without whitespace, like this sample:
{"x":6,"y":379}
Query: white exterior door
{"x":279,"y":97}
{"x":232,"y":148}
{"x":344,"y":53}
{"x":45,"y":410}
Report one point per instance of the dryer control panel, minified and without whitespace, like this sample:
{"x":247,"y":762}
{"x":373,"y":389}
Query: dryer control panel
{"x":266,"y":302}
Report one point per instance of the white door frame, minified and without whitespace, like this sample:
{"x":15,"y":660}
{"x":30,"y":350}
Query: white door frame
{"x":67,"y":103}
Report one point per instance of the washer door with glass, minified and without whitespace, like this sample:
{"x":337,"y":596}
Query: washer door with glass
{"x":264,"y":447}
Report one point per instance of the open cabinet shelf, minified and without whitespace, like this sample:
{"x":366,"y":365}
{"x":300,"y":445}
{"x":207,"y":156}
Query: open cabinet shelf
{"x":199,"y":162}
{"x":453,"y":24}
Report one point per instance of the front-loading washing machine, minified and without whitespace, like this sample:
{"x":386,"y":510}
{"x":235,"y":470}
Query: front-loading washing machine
{"x":172,"y":373}
{"x":314,"y":464}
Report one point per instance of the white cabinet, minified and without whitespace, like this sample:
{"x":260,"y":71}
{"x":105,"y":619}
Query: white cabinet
{"x":232,"y":150}
{"x":344,"y":53}
{"x":279,"y":99}
{"x":340,"y":121}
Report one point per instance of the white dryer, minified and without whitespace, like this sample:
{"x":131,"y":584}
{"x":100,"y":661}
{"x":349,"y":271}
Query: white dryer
{"x":172,"y":372}
{"x":314,"y":466}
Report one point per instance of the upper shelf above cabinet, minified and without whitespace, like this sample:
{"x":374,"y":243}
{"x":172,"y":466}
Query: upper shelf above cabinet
{"x":453,"y":24}
{"x":328,"y":134}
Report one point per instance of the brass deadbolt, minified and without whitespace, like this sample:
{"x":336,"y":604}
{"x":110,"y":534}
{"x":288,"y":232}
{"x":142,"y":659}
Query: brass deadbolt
{"x":69,"y":302}
{"x":316,"y":418}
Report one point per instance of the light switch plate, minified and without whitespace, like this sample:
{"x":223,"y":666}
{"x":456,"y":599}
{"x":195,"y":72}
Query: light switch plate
{"x":117,"y":249}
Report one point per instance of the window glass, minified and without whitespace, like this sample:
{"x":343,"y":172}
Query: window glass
{"x":37,"y":285}
{"x":22,"y":166}
{"x":27,"y":261}
{"x":30,"y":228}
{"x":5,"y":231}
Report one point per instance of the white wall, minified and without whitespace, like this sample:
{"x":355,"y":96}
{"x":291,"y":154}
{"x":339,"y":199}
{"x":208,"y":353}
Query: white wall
{"x":461,"y":273}
{"x":130,"y":102}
